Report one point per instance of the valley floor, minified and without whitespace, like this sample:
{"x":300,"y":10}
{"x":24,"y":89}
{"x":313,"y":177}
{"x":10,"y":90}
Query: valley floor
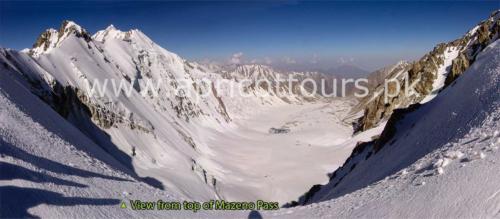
{"x":256,"y":164}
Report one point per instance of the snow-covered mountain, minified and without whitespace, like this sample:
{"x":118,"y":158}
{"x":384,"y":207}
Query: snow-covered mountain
{"x":193,"y":137}
{"x":155,"y":129}
{"x":175,"y":123}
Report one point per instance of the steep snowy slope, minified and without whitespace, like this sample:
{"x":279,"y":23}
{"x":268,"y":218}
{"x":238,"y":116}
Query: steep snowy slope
{"x":46,"y":162}
{"x":119,"y":124}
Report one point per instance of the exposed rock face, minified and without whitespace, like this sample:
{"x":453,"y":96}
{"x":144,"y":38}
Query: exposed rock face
{"x":423,"y":73}
{"x":51,"y":38}
{"x":459,"y":65}
{"x":426,"y":68}
{"x":43,"y":40}
{"x":73,"y":104}
{"x":222,"y":107}
{"x":68,"y":27}
{"x":484,"y":33}
{"x":390,"y":128}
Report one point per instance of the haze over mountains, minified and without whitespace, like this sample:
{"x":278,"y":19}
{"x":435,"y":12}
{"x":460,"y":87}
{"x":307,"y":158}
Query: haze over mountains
{"x":194,"y":137}
{"x":347,"y":71}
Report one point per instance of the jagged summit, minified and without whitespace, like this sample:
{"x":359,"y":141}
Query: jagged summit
{"x":52,"y":38}
{"x":248,"y":68}
{"x":68,"y":25}
{"x":250,"y":71}
{"x":111,"y":32}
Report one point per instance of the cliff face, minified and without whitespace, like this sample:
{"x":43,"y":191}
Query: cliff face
{"x":427,"y":76}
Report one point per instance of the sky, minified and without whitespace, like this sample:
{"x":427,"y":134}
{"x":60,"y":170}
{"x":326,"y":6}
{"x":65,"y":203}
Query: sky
{"x":297,"y":35}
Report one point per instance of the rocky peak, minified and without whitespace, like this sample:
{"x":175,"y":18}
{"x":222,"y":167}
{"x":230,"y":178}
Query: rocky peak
{"x":254,"y":71}
{"x":52,"y":38}
{"x":44,"y":42}
{"x":70,"y":26}
{"x":250,"y":68}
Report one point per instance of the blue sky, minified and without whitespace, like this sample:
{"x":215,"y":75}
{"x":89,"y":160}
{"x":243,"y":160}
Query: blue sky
{"x":286,"y":34}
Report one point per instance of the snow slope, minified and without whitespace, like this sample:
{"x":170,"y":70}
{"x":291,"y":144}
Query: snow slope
{"x":47,"y":163}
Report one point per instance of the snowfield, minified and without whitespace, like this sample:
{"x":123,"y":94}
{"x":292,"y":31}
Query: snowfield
{"x":256,"y":164}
